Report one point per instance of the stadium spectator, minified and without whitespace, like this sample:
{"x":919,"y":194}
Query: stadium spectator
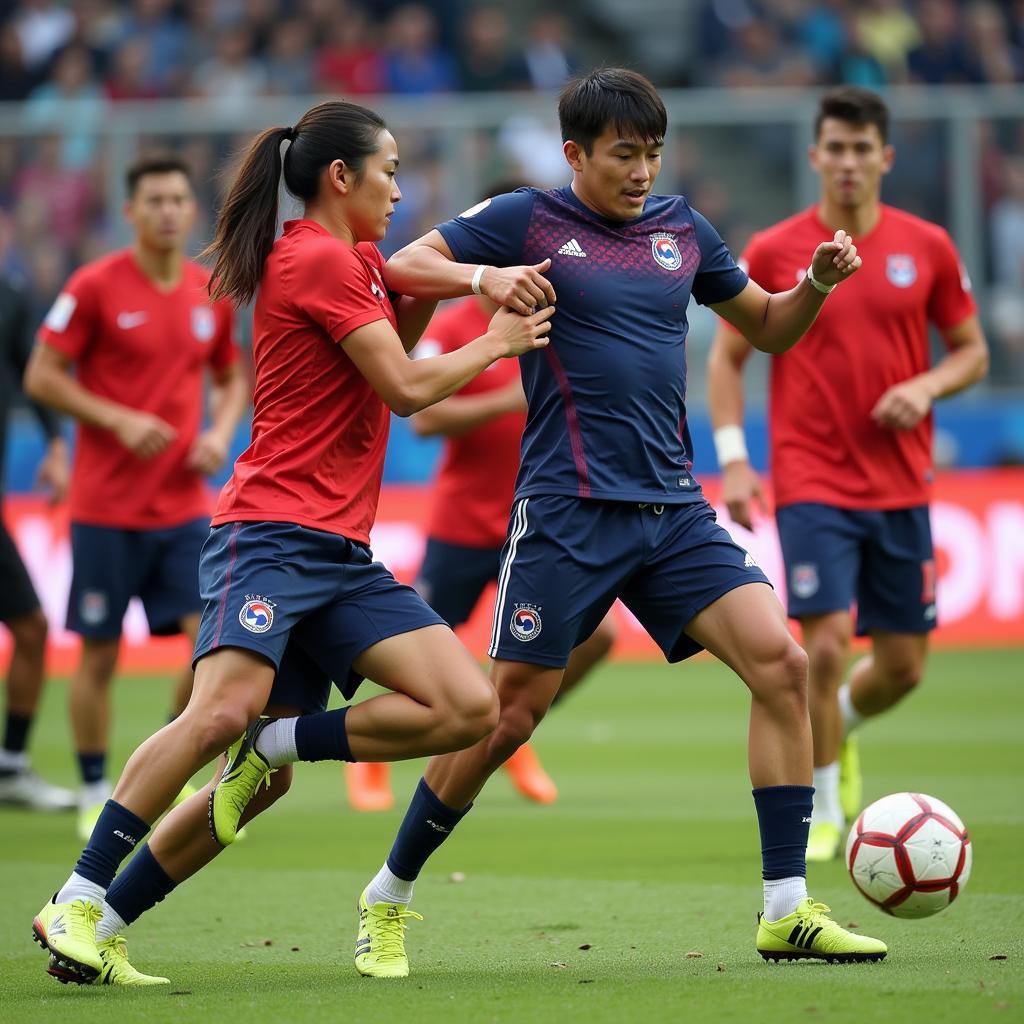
{"x":415,"y":63}
{"x":128,"y":78}
{"x":887,"y":31}
{"x":549,"y":55}
{"x":166,"y":39}
{"x":43,"y":27}
{"x":350,"y":63}
{"x":16,"y":79}
{"x":289,"y":68}
{"x":232,"y":77}
{"x":488,"y":62}
{"x":989,"y":48}
{"x":941,"y":57}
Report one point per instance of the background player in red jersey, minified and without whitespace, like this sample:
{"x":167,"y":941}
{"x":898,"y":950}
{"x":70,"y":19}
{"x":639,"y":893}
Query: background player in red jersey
{"x":851,"y":426}
{"x":124,"y":350}
{"x":472,"y":495}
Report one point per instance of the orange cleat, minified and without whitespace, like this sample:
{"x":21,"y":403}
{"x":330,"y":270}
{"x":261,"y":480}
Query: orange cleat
{"x":369,"y":786}
{"x":528,"y":776}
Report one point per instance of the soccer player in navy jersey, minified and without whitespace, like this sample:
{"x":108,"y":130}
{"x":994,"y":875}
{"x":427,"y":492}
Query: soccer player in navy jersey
{"x":606,"y":504}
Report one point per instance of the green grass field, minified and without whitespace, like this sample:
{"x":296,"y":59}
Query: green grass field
{"x":584,"y":911}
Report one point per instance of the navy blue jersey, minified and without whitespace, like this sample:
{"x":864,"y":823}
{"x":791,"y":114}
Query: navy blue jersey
{"x":607,"y":409}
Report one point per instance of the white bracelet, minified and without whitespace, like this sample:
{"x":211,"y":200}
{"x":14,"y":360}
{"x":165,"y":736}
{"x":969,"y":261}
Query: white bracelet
{"x":730,"y":445}
{"x":476,"y":278}
{"x":823,"y":288}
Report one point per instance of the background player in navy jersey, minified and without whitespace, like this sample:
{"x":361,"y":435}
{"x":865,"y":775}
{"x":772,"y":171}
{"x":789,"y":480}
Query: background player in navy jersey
{"x":606,"y":505}
{"x":19,"y":606}
{"x":851,"y":432}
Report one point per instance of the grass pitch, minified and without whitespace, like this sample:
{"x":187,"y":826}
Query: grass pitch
{"x":631,"y":899}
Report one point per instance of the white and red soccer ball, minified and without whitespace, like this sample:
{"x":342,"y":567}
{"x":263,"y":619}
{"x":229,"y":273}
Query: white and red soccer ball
{"x":909,"y":854}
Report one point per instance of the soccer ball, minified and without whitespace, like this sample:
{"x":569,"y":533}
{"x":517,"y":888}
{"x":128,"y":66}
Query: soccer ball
{"x":909,"y":854}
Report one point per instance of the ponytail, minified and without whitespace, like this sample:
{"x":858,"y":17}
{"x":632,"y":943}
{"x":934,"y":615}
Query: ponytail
{"x":246,"y":225}
{"x":247,"y":221}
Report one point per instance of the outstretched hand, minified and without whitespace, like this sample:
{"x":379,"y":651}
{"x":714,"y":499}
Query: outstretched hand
{"x":521,"y":289}
{"x":836,"y":260}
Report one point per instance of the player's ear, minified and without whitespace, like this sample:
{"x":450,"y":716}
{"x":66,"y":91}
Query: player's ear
{"x":573,"y":154}
{"x":888,"y":158}
{"x":339,"y":177}
{"x":812,"y":156}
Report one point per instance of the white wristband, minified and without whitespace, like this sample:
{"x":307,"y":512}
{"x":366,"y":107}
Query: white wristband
{"x":823,"y":288}
{"x":730,"y":445}
{"x":476,"y":278}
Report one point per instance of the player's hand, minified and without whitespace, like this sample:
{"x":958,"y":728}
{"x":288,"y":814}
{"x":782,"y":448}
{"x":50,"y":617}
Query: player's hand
{"x":741,"y":489}
{"x":835,"y":261}
{"x":54,"y":471}
{"x":903,"y":406}
{"x":142,"y":433}
{"x":522,"y":289}
{"x":519,"y":334}
{"x":208,"y":454}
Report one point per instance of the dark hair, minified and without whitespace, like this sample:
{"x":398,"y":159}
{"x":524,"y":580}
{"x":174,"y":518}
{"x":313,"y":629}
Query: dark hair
{"x":154,"y":163}
{"x":247,"y":222}
{"x":611,"y":98}
{"x":854,"y":105}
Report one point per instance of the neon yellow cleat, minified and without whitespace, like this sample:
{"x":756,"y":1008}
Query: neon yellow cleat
{"x":851,"y":783}
{"x":808,"y":934}
{"x":245,"y":771}
{"x":380,"y":945}
{"x":68,"y":931}
{"x":823,"y":842}
{"x":116,"y":968}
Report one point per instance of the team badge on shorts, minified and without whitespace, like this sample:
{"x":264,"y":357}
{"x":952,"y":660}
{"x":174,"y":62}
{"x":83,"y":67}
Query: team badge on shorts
{"x":93,"y":607}
{"x":204,"y":323}
{"x":803,"y":580}
{"x":257,"y":614}
{"x":526,"y":623}
{"x":901,"y":270}
{"x":665,"y":250}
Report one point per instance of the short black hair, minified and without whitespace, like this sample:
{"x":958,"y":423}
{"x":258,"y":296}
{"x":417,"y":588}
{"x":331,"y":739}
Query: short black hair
{"x":611,"y":98}
{"x":154,"y":163}
{"x":854,"y":105}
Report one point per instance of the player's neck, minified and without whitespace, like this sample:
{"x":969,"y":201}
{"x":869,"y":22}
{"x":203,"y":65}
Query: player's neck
{"x":855,"y":220}
{"x":163,"y":267}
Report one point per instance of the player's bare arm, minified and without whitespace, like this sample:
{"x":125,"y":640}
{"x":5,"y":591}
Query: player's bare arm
{"x":741,"y":486}
{"x":461,"y":414}
{"x":427,"y":269}
{"x":54,"y":470}
{"x":409,"y":385}
{"x":49,"y":380}
{"x":904,"y":405}
{"x":229,"y":398}
{"x":413,"y":315}
{"x":775,"y":323}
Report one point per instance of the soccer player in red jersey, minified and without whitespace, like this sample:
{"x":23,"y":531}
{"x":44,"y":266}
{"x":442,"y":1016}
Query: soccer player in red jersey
{"x":472,"y":495}
{"x":851,"y":439}
{"x":125,"y":350}
{"x":292,"y":596}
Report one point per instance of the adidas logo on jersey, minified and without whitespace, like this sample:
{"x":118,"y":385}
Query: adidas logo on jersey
{"x":571,"y":248}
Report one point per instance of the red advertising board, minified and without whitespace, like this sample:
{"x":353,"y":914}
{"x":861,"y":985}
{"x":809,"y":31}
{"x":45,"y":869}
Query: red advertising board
{"x":977,"y":524}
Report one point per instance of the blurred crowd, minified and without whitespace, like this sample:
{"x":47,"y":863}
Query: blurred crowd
{"x":89,"y":56}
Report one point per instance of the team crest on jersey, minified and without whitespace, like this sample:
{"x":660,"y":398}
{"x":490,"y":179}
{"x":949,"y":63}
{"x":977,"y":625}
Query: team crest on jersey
{"x":203,"y":322}
{"x":526,"y":622}
{"x":665,"y":250}
{"x":803,"y":579}
{"x":93,"y":607}
{"x":257,"y":614}
{"x":901,"y":270}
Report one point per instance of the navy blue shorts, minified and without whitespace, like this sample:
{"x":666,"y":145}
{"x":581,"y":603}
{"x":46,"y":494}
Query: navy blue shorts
{"x":111,"y":566}
{"x":308,"y":601}
{"x":17,"y":595}
{"x":882,"y":559}
{"x":567,"y":559}
{"x":453,"y":576}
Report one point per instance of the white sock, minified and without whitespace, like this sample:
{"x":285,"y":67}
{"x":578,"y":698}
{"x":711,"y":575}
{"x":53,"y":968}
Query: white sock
{"x":277,"y":742}
{"x":79,"y":888}
{"x":782,"y":895}
{"x":826,"y":796}
{"x":387,"y":887}
{"x":110,"y":924}
{"x":851,"y":716}
{"x":93,"y":793}
{"x":13,"y":762}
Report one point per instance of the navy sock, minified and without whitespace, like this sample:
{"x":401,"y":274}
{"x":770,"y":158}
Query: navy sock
{"x":322,"y":737}
{"x":92,"y":766}
{"x":140,"y":887}
{"x":116,"y":833}
{"x":426,"y":825}
{"x":784,"y":818}
{"x":16,"y":732}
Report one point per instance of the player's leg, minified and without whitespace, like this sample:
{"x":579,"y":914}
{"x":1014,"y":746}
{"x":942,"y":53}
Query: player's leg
{"x":822,"y":551}
{"x":24,"y":619}
{"x":189,"y":627}
{"x":882,"y":678}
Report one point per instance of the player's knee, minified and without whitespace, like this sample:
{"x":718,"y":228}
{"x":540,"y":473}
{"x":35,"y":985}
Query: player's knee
{"x":781,"y":677}
{"x":827,"y":659}
{"x":472,"y":713}
{"x":904,"y":675}
{"x":99,"y":660}
{"x":514,"y":728}
{"x":216,"y":728}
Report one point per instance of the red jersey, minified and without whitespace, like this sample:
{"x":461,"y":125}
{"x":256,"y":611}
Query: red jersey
{"x":872,"y":333}
{"x":319,"y":430}
{"x":473,"y":491}
{"x":147,"y":349}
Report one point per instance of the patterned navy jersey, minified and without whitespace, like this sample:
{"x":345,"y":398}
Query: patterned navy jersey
{"x":607,"y":412}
